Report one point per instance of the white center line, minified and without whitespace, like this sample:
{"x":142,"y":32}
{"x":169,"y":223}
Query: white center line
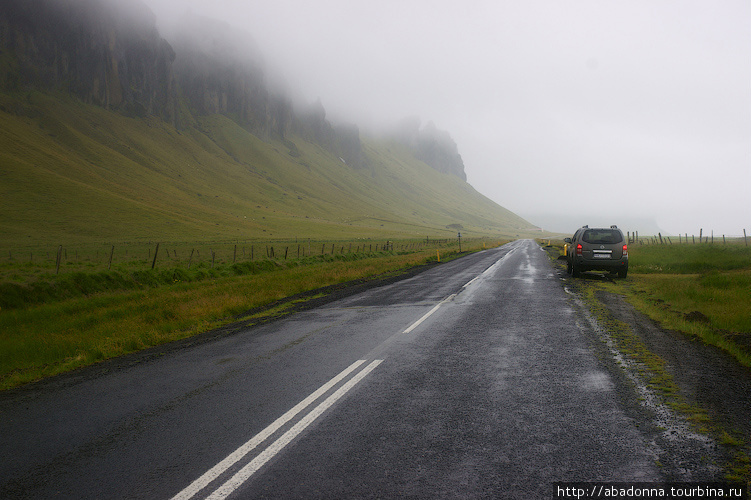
{"x":244,"y":474}
{"x":243,"y":450}
{"x":428,"y":314}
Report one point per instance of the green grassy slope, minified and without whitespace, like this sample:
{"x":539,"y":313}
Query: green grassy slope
{"x":74,"y":173}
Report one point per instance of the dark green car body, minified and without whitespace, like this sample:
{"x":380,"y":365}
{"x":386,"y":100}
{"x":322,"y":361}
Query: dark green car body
{"x":597,"y":249}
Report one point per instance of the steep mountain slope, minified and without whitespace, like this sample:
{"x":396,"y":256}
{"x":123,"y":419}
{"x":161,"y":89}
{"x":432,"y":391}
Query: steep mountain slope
{"x":76,"y":172}
{"x":110,"y":133}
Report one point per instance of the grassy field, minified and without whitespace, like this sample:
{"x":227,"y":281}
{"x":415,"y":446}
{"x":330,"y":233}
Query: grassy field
{"x":702,"y":290}
{"x":52,"y":323}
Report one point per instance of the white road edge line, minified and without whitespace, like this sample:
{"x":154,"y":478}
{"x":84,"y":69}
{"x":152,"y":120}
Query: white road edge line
{"x":243,"y":450}
{"x":244,"y":474}
{"x":428,"y":314}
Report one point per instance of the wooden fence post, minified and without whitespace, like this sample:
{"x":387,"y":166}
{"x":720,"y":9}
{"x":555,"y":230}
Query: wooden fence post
{"x":59,"y":257}
{"x":156,"y":252}
{"x":112,"y":252}
{"x":190,"y":259}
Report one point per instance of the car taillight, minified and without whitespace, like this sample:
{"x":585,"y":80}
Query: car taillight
{"x":579,"y":249}
{"x":625,"y":250}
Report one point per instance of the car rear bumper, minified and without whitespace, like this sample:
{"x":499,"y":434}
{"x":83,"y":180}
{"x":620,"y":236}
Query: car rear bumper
{"x":601,"y":265}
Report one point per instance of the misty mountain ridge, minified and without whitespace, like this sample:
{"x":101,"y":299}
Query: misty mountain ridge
{"x":110,"y":54}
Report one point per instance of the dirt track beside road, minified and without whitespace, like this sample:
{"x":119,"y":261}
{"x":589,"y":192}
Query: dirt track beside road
{"x":706,"y":375}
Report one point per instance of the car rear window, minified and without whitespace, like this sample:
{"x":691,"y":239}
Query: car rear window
{"x":602,"y":236}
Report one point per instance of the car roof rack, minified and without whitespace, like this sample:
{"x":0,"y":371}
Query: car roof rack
{"x":585,"y":227}
{"x":613,"y":227}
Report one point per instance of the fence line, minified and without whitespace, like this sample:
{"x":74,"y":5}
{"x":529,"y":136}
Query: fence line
{"x":666,"y":240}
{"x":158,"y":253}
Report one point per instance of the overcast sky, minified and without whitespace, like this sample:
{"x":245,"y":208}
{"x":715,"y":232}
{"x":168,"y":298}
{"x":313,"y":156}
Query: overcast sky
{"x":609,"y":111}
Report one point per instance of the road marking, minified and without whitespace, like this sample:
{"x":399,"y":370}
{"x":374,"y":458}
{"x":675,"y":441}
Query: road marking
{"x":451,"y":297}
{"x":243,"y":450}
{"x":428,"y":314}
{"x":471,"y":281}
{"x":489,"y":270}
{"x":244,"y":474}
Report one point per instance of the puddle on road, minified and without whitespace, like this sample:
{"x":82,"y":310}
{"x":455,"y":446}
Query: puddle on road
{"x":597,"y":381}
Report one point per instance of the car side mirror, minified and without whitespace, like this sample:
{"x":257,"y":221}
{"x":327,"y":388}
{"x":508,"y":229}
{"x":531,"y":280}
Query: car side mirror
{"x":567,"y":240}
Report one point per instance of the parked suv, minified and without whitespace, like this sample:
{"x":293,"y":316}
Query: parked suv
{"x":597,"y":248}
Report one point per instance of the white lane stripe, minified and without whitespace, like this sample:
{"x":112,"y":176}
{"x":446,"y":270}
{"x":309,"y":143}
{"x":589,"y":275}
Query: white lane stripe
{"x":258,"y":462}
{"x":471,"y":281}
{"x":427,"y":315}
{"x":243,"y":450}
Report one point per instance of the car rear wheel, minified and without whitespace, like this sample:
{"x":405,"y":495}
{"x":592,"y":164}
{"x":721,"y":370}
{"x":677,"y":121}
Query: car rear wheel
{"x":622,"y":272}
{"x":575,"y":271}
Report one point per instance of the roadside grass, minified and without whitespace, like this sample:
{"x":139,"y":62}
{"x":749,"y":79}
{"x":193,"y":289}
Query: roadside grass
{"x":113,"y":317}
{"x":701,"y":290}
{"x":688,"y":258}
{"x":32,"y":277}
{"x":714,"y":307}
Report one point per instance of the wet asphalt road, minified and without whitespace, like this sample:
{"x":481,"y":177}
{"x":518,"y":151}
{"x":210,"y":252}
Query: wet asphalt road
{"x":473,"y":379}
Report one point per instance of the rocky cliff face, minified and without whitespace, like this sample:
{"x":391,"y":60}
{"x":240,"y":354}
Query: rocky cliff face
{"x":342,"y":139}
{"x":106,"y":53}
{"x":432,"y":146}
{"x":110,"y":53}
{"x":219,"y":70}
